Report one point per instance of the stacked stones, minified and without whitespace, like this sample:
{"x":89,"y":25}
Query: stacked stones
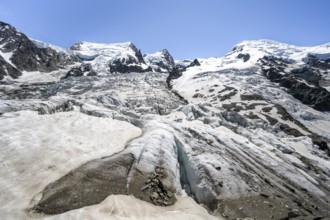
{"x":159,"y":195}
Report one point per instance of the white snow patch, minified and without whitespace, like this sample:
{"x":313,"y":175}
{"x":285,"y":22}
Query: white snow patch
{"x":121,"y":207}
{"x":39,"y":149}
{"x":36,"y":76}
{"x":302,"y":145}
{"x":43,"y":77}
{"x":7,"y":57}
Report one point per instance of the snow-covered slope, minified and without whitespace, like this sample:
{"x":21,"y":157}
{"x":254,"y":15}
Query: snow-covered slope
{"x":260,"y":48}
{"x":301,"y":70}
{"x":271,"y":123}
{"x":105,"y":58}
{"x":161,"y":61}
{"x":67,"y":141}
{"x":245,"y":136}
{"x":41,"y":44}
{"x":248,"y":53}
{"x":314,"y":59}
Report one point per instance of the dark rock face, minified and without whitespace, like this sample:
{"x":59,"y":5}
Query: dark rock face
{"x":195,"y":62}
{"x":249,"y":97}
{"x":275,"y":71}
{"x":127,"y":66}
{"x":245,"y":57}
{"x":314,"y":62}
{"x":10,"y":38}
{"x":235,"y":118}
{"x":314,"y":96}
{"x":182,"y":68}
{"x":236,"y":49}
{"x":138,"y":53}
{"x":168,"y":57}
{"x":311,"y":76}
{"x":7,"y":69}
{"x":83,"y":70}
{"x":177,"y":71}
{"x":26,"y":55}
{"x":30,"y":58}
{"x":174,"y":74}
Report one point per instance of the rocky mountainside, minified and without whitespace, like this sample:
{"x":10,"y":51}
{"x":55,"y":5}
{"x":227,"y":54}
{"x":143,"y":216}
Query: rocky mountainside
{"x":18,"y":54}
{"x":161,"y":61}
{"x":242,"y":136}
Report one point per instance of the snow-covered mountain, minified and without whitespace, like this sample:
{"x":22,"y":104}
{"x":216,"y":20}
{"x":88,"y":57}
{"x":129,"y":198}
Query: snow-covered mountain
{"x":114,"y":134}
{"x":105,"y":58}
{"x":161,"y":61}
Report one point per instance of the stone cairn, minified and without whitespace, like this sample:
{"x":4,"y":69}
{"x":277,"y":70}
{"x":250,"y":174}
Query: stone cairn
{"x":159,"y":195}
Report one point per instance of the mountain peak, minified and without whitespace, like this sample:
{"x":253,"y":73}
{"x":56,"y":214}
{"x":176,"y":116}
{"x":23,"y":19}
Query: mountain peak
{"x":161,"y":61}
{"x":164,"y":51}
{"x":113,"y":57}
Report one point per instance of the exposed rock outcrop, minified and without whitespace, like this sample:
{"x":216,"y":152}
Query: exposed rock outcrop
{"x":92,"y":182}
{"x":8,"y":69}
{"x":127,"y":65}
{"x":83,"y":70}
{"x":245,"y":57}
{"x":312,"y":95}
{"x":24,"y":55}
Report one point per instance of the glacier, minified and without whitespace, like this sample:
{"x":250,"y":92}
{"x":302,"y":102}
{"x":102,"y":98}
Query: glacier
{"x":242,"y":136}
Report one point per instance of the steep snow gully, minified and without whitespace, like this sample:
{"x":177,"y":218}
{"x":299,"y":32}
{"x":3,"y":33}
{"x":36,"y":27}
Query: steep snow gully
{"x":103,"y":128}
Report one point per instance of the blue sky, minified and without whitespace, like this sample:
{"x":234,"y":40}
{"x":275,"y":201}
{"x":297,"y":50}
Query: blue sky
{"x":188,"y":29}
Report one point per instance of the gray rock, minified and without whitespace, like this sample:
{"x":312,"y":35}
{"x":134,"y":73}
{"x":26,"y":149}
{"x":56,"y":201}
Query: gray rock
{"x":235,"y":117}
{"x":87,"y":185}
{"x":314,"y":96}
{"x":245,"y":56}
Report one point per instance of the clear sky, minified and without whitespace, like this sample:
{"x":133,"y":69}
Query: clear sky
{"x":187,"y":28}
